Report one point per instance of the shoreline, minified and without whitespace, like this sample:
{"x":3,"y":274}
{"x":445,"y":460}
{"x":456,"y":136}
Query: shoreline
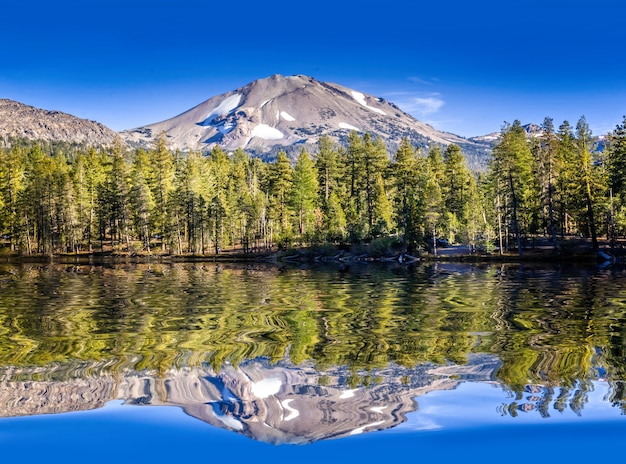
{"x":306,"y":256}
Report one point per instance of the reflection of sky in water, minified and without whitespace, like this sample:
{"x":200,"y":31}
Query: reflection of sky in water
{"x":466,"y":419}
{"x":480,"y":404}
{"x":123,"y":433}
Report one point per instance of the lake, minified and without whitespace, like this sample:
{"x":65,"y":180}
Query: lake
{"x":210,"y":361}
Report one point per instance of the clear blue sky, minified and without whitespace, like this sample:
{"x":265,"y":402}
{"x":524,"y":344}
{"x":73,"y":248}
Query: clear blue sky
{"x":462,"y":66}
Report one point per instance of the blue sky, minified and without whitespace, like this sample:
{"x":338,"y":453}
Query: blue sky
{"x":462,"y":66}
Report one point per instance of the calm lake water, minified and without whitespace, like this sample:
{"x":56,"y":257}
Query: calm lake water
{"x":209,"y":361}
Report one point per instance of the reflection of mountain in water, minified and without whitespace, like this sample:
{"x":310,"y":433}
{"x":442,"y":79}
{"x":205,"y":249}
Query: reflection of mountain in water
{"x":279,"y":403}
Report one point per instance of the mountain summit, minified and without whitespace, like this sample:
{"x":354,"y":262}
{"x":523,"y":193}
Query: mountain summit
{"x":287,"y":113}
{"x":23,"y":121}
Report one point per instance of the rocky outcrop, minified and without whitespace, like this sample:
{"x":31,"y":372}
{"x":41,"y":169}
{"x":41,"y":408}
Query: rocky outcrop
{"x":22,"y":121}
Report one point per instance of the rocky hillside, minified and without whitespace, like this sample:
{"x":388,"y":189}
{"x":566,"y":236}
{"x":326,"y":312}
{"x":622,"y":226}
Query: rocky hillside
{"x":22,"y":121}
{"x":288,"y":113}
{"x":532,"y":130}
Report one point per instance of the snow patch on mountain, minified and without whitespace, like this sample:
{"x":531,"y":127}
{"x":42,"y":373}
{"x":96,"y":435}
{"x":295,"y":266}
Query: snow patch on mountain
{"x":286,"y":116}
{"x":266,"y":387}
{"x":293,"y":413}
{"x":347,"y":394}
{"x":266,"y":132}
{"x":359,"y":97}
{"x":226,"y":128}
{"x":360,"y":430}
{"x":228,"y":421}
{"x":228,"y":105}
{"x":345,"y":125}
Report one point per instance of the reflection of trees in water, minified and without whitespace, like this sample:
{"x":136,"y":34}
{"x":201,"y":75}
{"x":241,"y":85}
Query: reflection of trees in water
{"x":559,"y":327}
{"x":545,"y":399}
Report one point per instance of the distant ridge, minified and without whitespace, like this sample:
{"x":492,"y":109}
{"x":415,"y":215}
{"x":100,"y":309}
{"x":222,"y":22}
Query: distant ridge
{"x":288,"y":113}
{"x":18,"y":120}
{"x":532,"y":130}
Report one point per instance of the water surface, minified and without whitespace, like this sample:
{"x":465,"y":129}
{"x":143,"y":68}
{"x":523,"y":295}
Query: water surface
{"x":160,"y":358}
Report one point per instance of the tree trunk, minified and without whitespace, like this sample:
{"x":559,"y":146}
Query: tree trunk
{"x":500,"y":226}
{"x":29,"y":249}
{"x":518,"y":238}
{"x":592,"y":224}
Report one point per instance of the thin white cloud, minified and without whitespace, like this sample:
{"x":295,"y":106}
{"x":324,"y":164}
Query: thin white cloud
{"x":419,"y":80}
{"x":427,"y":105}
{"x":421,"y":104}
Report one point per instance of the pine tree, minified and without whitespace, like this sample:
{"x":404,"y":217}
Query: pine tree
{"x":433,"y":202}
{"x":280,"y":180}
{"x":616,"y":149}
{"x":160,"y":182}
{"x":220,"y":165}
{"x":88,"y":175}
{"x":39,"y":200}
{"x":66,"y":223}
{"x":566,"y":184}
{"x":588,"y":175}
{"x":383,"y":209}
{"x":12,"y":175}
{"x":455,"y":189}
{"x":511,"y":166}
{"x":616,"y":157}
{"x":119,"y":190}
{"x":335,"y":224}
{"x":141,"y":198}
{"x":406,"y":174}
{"x":329,"y":168}
{"x":547,"y":168}
{"x":374,"y":162}
{"x":456,"y":180}
{"x":304,"y":194}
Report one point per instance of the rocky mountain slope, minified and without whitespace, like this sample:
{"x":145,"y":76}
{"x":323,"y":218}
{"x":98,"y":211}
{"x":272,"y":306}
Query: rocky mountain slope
{"x":287,"y":113}
{"x":532,"y":130}
{"x":22,"y":121}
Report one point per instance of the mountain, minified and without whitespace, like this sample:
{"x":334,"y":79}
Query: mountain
{"x":532,"y":130}
{"x":288,"y":113}
{"x":22,"y":121}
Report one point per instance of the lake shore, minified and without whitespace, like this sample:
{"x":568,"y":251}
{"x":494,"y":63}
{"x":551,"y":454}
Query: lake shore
{"x":577,"y":251}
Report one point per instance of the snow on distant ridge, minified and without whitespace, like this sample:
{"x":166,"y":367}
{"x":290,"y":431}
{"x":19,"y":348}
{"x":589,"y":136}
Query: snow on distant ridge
{"x":225,"y":107}
{"x":359,"y":97}
{"x":286,"y":116}
{"x":345,"y":125}
{"x":266,"y":132}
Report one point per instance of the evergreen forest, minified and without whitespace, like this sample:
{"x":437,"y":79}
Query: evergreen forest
{"x":559,"y":184}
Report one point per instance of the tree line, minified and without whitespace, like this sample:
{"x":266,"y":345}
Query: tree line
{"x":556,"y":184}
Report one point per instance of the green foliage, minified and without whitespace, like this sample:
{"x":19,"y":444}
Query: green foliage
{"x":304,"y":195}
{"x":511,"y":167}
{"x":384,"y":247}
{"x":72,"y":200}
